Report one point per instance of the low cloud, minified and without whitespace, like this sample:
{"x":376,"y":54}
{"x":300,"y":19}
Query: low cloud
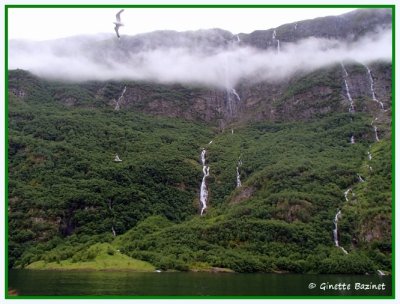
{"x":223,"y":67}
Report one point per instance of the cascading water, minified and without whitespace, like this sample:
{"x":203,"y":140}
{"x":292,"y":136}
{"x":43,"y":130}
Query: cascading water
{"x":335,"y":231}
{"x":351,"y":108}
{"x":236,"y":94}
{"x":118,"y":106}
{"x":352,"y":140}
{"x":371,"y":81}
{"x":376,"y":133}
{"x":117,"y":159}
{"x":278,"y":44}
{"x":113,"y":231}
{"x":233,"y":99}
{"x":238,"y":181}
{"x":346,"y":193}
{"x":203,"y":187}
{"x":360,"y":179}
{"x":238,"y":38}
{"x":369,"y":155}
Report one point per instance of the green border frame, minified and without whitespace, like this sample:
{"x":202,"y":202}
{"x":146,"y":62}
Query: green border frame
{"x":198,"y":6}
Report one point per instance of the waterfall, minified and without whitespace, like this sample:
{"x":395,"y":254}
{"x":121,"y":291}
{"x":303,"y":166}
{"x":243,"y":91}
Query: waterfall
{"x":351,"y":108}
{"x":238,"y":182}
{"x":117,"y":159}
{"x":118,"y":106}
{"x":376,"y":133}
{"x":335,"y":231}
{"x":360,"y":179}
{"x":380,"y":272}
{"x":346,"y":193}
{"x":371,"y":81}
{"x":295,"y":26}
{"x":233,"y":98}
{"x":369,"y":155}
{"x":113,"y":231}
{"x":238,"y":38}
{"x":203,"y":187}
{"x":352,"y":141}
{"x":236,"y":94}
{"x":278,"y":47}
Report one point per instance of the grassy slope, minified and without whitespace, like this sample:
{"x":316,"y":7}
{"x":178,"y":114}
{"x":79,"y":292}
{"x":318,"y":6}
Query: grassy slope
{"x":98,"y":257}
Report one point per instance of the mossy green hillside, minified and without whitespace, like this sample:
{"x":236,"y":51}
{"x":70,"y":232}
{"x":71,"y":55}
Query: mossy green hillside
{"x":97,"y":257}
{"x":66,"y":193}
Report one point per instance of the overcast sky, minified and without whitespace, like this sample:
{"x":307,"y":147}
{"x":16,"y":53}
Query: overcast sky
{"x":50,"y":23}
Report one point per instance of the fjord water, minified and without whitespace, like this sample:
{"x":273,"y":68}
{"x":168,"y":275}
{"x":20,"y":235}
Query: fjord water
{"x":93,"y":283}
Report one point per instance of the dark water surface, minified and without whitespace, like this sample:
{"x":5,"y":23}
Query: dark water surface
{"x":92,"y":283}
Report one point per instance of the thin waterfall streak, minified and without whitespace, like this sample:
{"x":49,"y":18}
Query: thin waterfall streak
{"x":236,"y":94}
{"x":203,"y":187}
{"x":335,"y":231}
{"x":346,"y":193}
{"x":346,"y":75}
{"x":118,"y":105}
{"x":376,"y":133}
{"x":371,"y":82}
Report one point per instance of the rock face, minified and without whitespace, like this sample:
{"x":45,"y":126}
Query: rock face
{"x":300,"y":98}
{"x":347,"y":26}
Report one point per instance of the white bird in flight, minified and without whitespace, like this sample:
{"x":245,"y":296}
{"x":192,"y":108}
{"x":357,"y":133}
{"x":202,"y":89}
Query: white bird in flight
{"x":118,"y":23}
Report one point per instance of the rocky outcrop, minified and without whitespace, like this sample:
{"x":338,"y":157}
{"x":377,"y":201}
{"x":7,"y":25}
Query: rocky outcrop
{"x":301,"y":98}
{"x":348,"y":26}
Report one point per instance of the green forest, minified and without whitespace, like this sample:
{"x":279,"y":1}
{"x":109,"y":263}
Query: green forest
{"x":70,"y":204}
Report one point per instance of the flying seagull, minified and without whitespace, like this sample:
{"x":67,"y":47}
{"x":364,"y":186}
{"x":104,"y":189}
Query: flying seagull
{"x":118,"y":23}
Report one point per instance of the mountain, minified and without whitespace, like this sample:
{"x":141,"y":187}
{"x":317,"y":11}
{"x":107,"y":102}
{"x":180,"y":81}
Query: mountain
{"x":296,"y":168}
